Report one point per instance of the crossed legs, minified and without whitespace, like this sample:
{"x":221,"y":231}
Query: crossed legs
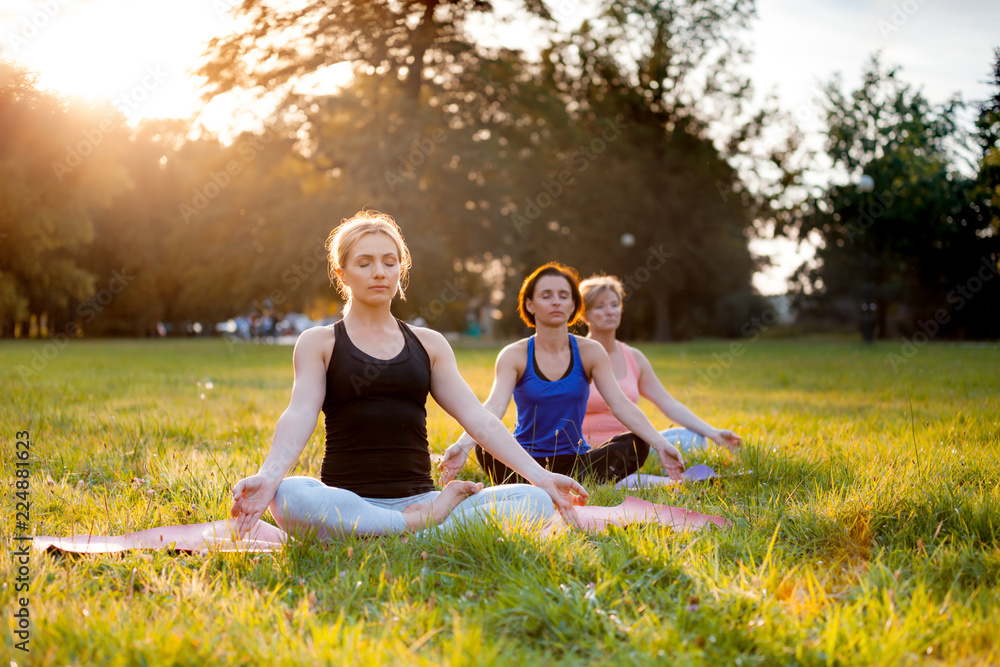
{"x":304,"y":505}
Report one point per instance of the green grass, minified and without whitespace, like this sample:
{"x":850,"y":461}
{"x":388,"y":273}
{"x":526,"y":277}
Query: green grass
{"x":867,"y":532}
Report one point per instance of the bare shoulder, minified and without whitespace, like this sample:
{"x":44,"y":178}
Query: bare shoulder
{"x":589,"y":349}
{"x":515,"y":354}
{"x":433,"y":341}
{"x":645,"y":367}
{"x":316,"y":336}
{"x":515,"y":348}
{"x":637,"y":354}
{"x":315,"y":341}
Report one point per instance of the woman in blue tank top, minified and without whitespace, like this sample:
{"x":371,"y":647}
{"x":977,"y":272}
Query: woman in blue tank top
{"x":548,"y":375}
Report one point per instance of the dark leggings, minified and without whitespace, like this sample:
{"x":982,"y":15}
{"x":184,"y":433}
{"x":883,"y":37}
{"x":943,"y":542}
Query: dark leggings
{"x":616,"y":459}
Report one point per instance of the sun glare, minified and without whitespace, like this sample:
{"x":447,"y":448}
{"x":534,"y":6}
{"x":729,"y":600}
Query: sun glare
{"x":137,"y":55}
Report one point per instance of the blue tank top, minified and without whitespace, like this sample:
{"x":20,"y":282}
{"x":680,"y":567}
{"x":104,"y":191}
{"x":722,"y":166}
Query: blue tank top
{"x":550,"y":413}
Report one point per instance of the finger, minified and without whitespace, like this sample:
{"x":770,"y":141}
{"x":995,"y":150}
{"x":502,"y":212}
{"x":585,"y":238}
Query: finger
{"x":250,"y":520}
{"x":582,"y":492}
{"x":570,"y":517}
{"x":241,"y":528}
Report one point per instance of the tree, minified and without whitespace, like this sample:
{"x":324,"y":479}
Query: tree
{"x":914,"y":238}
{"x":638,"y":84}
{"x":59,"y":163}
{"x":984,"y":316}
{"x":479,"y":154}
{"x":406,"y":42}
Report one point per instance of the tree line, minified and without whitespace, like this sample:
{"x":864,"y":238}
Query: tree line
{"x":626,"y":147}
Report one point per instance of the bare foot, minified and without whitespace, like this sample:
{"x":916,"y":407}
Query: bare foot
{"x":451,"y":496}
{"x":423,"y":515}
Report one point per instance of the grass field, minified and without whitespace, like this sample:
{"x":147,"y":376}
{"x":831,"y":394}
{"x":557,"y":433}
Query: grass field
{"x":867,"y":530}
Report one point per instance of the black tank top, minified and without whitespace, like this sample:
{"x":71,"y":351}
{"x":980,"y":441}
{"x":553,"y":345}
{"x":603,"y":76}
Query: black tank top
{"x":376,"y":419}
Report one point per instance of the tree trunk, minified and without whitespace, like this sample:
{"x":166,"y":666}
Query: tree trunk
{"x":661,"y":311}
{"x":882,"y":318}
{"x":421,"y":40}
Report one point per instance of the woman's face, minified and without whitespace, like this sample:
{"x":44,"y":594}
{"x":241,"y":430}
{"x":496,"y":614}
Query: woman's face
{"x":552,"y":303}
{"x":606,"y":313}
{"x":372,"y":269}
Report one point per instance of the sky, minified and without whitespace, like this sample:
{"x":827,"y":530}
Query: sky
{"x":139,"y":54}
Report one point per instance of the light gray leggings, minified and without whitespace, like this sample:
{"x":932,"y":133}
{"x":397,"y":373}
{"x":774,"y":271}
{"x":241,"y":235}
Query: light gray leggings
{"x":685,"y":440}
{"x":304,"y":505}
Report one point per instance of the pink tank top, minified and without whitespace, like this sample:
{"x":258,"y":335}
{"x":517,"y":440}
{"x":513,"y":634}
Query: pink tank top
{"x":599,"y":425}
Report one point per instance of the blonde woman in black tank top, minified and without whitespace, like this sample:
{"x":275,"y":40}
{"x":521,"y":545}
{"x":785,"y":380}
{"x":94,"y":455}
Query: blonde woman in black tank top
{"x":370,"y":374}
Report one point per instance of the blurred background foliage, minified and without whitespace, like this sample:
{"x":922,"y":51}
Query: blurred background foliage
{"x":627,"y":147}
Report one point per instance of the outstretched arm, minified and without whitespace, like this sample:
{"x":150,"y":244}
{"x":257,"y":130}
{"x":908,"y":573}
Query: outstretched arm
{"x":505,"y":376}
{"x":483,"y":426}
{"x":651,"y":387}
{"x":596,"y":361}
{"x":252,"y":495}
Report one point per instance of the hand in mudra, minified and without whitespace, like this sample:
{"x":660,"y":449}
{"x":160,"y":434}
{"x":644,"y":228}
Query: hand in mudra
{"x":672,"y":462}
{"x":452,"y":463}
{"x":729,"y":440}
{"x":251,"y":496}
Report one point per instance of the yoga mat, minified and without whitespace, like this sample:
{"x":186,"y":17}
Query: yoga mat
{"x":263,"y":537}
{"x":698,"y":473}
{"x":596,"y":519}
{"x":198,"y":537}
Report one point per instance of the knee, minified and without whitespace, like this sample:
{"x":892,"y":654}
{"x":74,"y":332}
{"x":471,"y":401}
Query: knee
{"x":287,"y":504}
{"x":537,"y":504}
{"x":641,"y":449}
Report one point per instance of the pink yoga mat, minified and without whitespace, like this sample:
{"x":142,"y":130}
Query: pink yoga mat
{"x":200,"y":537}
{"x":596,"y":519}
{"x":217,"y":535}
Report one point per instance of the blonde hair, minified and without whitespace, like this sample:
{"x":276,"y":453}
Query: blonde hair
{"x":347,"y":234}
{"x":595,"y":286}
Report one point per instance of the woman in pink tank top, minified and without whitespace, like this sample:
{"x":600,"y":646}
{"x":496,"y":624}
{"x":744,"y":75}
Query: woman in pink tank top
{"x":602,"y":297}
